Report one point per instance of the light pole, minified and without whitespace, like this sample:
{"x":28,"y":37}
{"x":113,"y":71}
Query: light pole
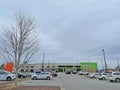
{"x":118,"y":65}
{"x":49,"y":65}
{"x":104,"y":60}
{"x":43,"y":62}
{"x":102,"y":64}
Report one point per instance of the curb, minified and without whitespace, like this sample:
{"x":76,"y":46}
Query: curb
{"x":62,"y":88}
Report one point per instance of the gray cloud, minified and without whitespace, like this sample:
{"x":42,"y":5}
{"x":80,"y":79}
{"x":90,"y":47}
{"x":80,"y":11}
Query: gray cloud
{"x":72,"y":30}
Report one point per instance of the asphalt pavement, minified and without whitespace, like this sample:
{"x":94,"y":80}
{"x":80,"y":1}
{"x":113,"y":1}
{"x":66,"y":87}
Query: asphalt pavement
{"x":74,"y":82}
{"x":77,"y":82}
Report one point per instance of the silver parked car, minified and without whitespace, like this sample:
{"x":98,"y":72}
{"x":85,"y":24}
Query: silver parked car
{"x":42,"y":75}
{"x":115,"y":77}
{"x":95,"y":75}
{"x":104,"y":76}
{"x":83,"y":73}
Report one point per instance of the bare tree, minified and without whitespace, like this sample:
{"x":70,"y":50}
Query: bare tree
{"x":20,"y":41}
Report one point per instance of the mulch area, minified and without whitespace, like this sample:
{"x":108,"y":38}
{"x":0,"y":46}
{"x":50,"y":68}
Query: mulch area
{"x":2,"y":86}
{"x":5,"y":84}
{"x":35,"y":88}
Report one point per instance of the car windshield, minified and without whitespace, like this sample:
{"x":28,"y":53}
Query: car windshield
{"x":8,"y":72}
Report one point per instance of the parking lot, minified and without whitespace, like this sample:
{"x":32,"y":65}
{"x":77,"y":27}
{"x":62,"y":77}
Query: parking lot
{"x":69,"y":82}
{"x":74,"y":82}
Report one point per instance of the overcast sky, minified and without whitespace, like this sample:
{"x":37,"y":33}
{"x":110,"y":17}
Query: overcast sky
{"x":71,"y":31}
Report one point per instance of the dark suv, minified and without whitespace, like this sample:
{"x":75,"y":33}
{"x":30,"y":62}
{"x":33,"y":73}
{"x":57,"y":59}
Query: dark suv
{"x":22,"y":75}
{"x":68,"y":72}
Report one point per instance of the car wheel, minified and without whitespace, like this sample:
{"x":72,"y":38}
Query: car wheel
{"x":48,"y":78}
{"x":8,"y":78}
{"x":111,"y":80}
{"x":117,"y":80}
{"x":22,"y":76}
{"x":93,"y":77}
{"x":34,"y":78}
{"x":103,"y":78}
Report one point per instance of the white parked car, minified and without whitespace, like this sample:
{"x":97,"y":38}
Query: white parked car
{"x":83,"y":73}
{"x":115,"y":77}
{"x":42,"y":75}
{"x":104,"y":76}
{"x":95,"y":75}
{"x":6,"y":75}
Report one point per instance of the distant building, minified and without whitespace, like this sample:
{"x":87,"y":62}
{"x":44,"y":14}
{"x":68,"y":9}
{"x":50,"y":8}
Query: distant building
{"x":60,"y":67}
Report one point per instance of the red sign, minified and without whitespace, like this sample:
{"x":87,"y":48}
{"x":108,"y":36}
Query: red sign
{"x":9,"y":67}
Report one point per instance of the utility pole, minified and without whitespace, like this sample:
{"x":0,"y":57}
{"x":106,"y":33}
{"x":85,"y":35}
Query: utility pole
{"x":43,"y":62}
{"x":118,"y":65}
{"x":102,"y":64}
{"x":76,"y":62}
{"x":104,"y":60}
{"x":49,"y":65}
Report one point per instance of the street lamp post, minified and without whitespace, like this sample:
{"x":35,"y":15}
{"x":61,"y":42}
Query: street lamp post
{"x":118,"y":65}
{"x":49,"y":65}
{"x":104,"y":60}
{"x":102,"y":64}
